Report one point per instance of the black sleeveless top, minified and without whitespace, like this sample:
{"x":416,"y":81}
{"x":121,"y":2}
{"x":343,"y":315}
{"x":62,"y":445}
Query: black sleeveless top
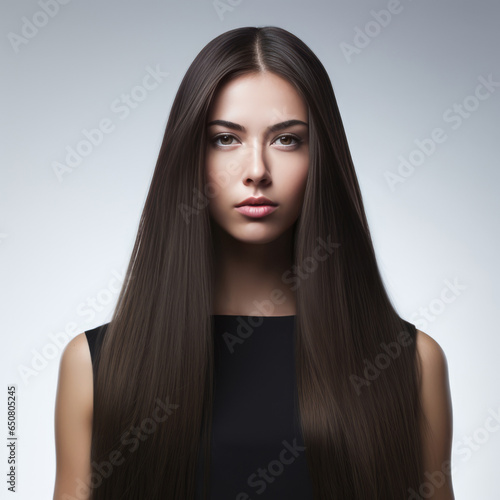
{"x":257,"y":445}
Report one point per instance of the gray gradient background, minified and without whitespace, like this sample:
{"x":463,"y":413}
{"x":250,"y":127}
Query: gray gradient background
{"x":63,"y":242}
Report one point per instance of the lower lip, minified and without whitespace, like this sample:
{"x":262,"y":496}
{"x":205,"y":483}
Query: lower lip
{"x":256,"y":210}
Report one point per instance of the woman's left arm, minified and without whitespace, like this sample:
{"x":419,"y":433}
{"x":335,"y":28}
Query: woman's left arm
{"x":437,"y":408}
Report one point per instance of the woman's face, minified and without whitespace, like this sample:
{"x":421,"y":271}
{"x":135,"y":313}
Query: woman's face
{"x":254,"y":154}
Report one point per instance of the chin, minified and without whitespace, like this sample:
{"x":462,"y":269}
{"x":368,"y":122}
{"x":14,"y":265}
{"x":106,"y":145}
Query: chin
{"x":255,"y":235}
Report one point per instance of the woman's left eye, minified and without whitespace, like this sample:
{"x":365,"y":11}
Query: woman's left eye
{"x":287,"y":138}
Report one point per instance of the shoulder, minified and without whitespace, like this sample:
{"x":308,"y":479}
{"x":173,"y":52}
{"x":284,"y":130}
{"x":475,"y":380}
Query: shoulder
{"x":77,"y":352}
{"x":75,"y":374}
{"x":78,"y":345}
{"x":76,"y":358}
{"x":429,"y":347}
{"x":434,"y":383}
{"x":436,"y":407}
{"x":431,"y":354}
{"x":73,"y":417}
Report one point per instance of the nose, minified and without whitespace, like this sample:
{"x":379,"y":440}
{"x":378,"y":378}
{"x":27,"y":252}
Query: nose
{"x":255,"y":170}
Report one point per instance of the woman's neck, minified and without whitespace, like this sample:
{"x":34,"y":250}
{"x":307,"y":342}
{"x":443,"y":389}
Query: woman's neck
{"x":250,"y":278}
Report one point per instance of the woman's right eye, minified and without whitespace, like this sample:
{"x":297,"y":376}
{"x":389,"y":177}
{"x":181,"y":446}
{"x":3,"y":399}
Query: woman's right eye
{"x":223,"y":138}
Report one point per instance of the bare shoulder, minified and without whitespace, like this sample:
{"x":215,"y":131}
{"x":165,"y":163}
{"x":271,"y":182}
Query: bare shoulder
{"x":78,"y":349}
{"x":434,"y":379}
{"x":73,"y":417}
{"x":75,"y":382}
{"x":430,"y":352}
{"x":437,"y":412}
{"x":76,"y":366}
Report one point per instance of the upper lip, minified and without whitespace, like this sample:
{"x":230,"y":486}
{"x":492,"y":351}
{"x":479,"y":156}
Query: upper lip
{"x":260,"y":200}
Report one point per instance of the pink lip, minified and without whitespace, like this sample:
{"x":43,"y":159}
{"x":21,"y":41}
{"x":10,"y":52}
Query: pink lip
{"x":256,"y":211}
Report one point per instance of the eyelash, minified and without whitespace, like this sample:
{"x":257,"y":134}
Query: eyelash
{"x":297,"y":140}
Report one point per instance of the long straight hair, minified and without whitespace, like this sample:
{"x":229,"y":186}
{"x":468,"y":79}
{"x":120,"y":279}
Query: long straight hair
{"x":357,"y":367}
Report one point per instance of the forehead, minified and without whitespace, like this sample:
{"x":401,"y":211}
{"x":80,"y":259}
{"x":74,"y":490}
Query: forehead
{"x":263,"y":97}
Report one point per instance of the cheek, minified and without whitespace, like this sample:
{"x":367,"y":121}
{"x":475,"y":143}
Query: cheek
{"x":219,"y":171}
{"x":217,"y":189}
{"x":293,"y":184}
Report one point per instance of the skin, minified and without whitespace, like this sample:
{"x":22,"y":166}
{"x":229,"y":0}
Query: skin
{"x":251,"y":251}
{"x":437,"y":408}
{"x":73,"y":420}
{"x":256,"y":162}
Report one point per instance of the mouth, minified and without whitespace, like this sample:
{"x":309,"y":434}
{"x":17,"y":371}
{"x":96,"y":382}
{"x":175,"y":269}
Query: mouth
{"x":257,"y":201}
{"x":256,"y":211}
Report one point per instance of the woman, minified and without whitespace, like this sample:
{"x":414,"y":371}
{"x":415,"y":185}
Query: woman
{"x":258,"y":341}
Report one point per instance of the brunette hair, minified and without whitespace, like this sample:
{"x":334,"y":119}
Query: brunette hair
{"x":359,"y":403}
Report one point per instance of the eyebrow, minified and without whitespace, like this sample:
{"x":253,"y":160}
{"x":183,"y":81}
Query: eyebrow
{"x":271,"y":128}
